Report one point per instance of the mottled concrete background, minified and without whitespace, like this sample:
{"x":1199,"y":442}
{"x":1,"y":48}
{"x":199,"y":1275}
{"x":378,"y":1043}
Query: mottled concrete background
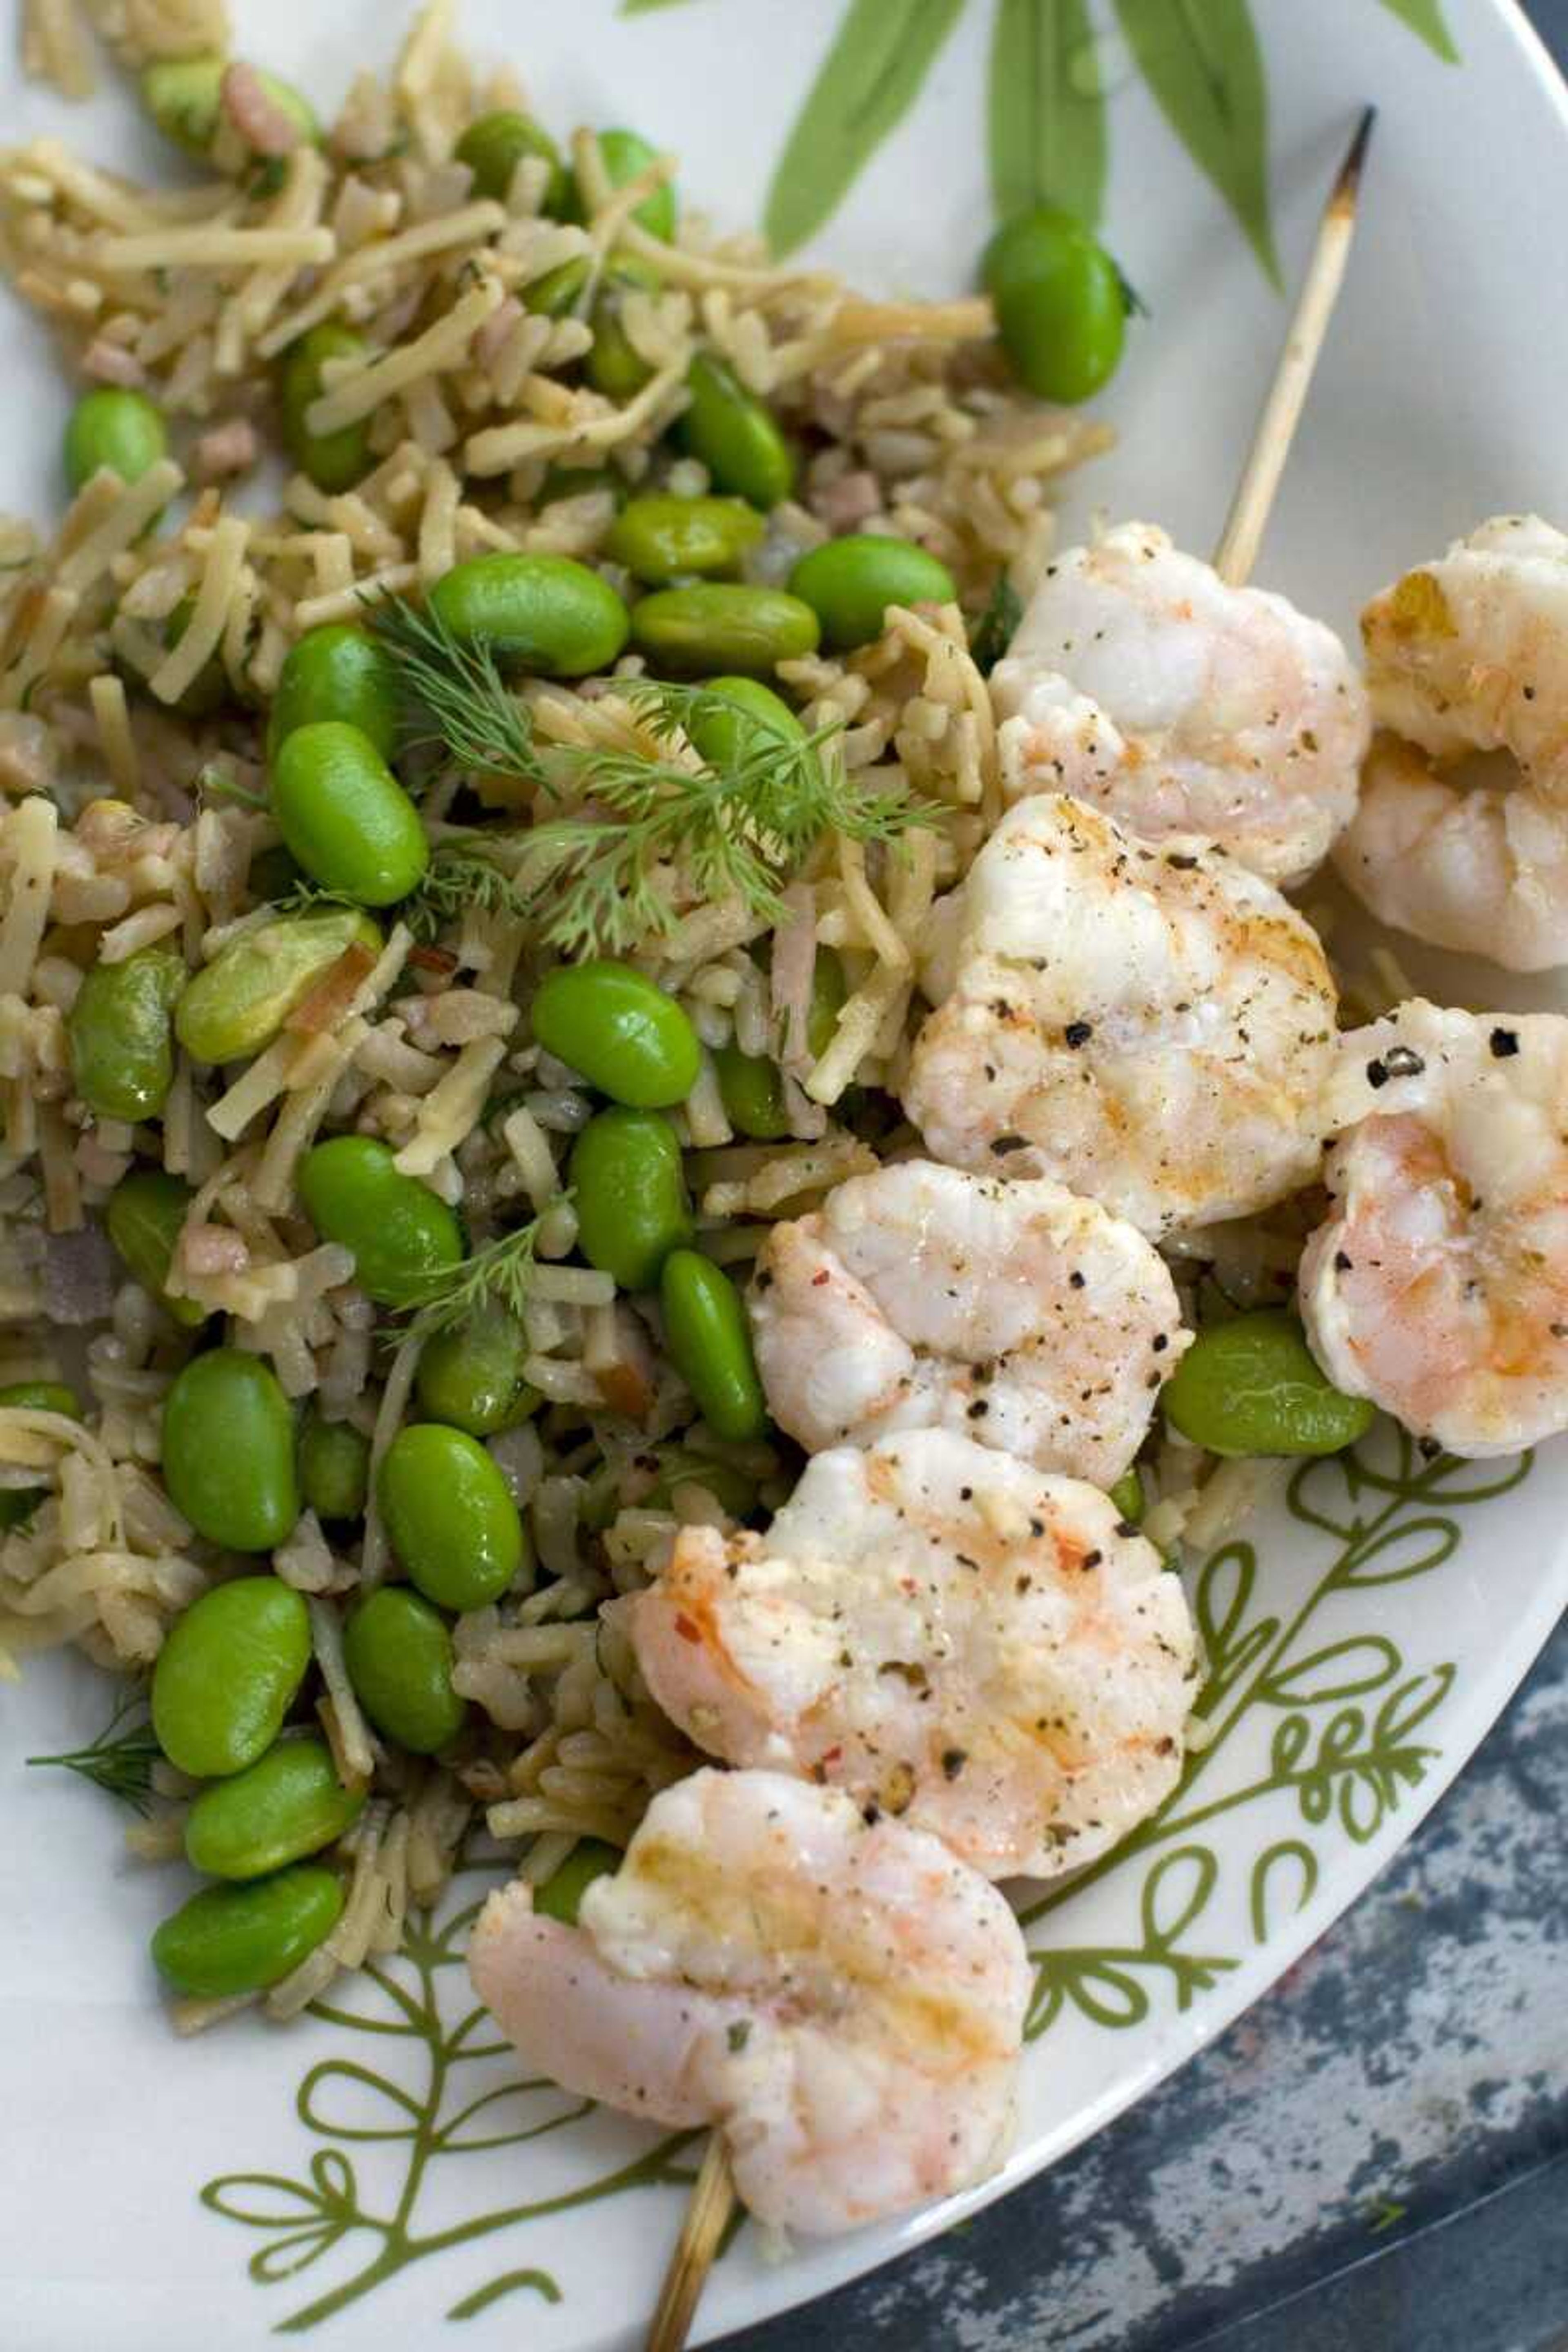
{"x":1374,"y":2159}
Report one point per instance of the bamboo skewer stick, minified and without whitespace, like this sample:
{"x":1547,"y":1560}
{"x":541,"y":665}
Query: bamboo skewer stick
{"x":1255,"y":492}
{"x":713,"y":2201}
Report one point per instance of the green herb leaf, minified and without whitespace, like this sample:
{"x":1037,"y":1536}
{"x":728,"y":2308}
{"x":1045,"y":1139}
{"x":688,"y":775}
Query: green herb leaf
{"x":499,"y":1273}
{"x":1046,"y":109}
{"x":452,"y":694}
{"x":213,"y":783}
{"x":120,"y":1759}
{"x":463,"y":872}
{"x":1202,"y":61}
{"x":869,"y":80}
{"x":993,"y":632}
{"x":1425,"y":18}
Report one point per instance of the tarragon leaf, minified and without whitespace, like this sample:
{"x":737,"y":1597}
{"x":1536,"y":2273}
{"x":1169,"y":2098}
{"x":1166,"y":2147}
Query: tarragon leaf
{"x":1046,"y":109}
{"x":1202,"y":61}
{"x":1425,"y":18}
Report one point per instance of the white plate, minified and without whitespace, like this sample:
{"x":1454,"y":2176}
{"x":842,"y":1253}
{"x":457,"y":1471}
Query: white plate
{"x":1357,"y":1671}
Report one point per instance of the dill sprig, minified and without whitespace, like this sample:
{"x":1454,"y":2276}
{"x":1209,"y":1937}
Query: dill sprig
{"x":451,"y":695}
{"x":992,"y":633}
{"x":499,"y":1274}
{"x":120,"y":1759}
{"x":462,"y":872}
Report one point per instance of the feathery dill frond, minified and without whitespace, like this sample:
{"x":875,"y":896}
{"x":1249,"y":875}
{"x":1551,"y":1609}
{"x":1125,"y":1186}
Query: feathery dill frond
{"x":120,"y":1760}
{"x":451,"y":694}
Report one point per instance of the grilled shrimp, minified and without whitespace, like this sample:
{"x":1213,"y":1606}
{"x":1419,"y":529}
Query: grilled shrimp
{"x":1439,"y":1286}
{"x":924,"y":1298}
{"x":1470,"y":654}
{"x":1148,"y":1025}
{"x":954,"y":1638}
{"x":844,"y":1998}
{"x":1140,"y":681}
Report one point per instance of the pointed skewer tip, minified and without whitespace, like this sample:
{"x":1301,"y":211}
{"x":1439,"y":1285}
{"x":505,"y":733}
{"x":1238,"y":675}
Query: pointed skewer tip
{"x":1347,"y":187}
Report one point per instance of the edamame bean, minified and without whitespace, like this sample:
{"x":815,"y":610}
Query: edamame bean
{"x":333,"y":461}
{"x":579,"y":482}
{"x":614,"y":365}
{"x":624,"y":155}
{"x":334,"y":1468}
{"x":146,"y":1212}
{"x":829,"y":996}
{"x":120,"y":1032}
{"x":620,"y":1030}
{"x":1251,"y":1386}
{"x":724,"y":625}
{"x":735,"y":435}
{"x":183,"y":96}
{"x":18,"y":1504}
{"x":731,"y":1491}
{"x":495,"y":144}
{"x":661,"y":539}
{"x":471,"y":1375}
{"x":1061,"y":303}
{"x":344,"y":816}
{"x":450,"y":1517}
{"x":562,"y":1891}
{"x":289,"y":1804}
{"x":235,"y":1939}
{"x":228,"y":1451}
{"x":545,"y":612}
{"x":339,"y":671}
{"x":398,"y":1653}
{"x":849,"y":584}
{"x":1128,"y":1496}
{"x":227,"y":1674}
{"x":401,"y":1232}
{"x":557,"y":294}
{"x":237,"y":1003}
{"x":116,"y":429}
{"x":630,"y":1195}
{"x":710,"y":1342}
{"x":753,"y":1092}
{"x":721,"y":736}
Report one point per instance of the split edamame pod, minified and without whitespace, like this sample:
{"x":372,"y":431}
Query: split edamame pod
{"x":620,"y":1031}
{"x":333,"y":461}
{"x":237,"y":1003}
{"x":1061,"y":303}
{"x":493,"y":146}
{"x":561,"y":1896}
{"x":116,"y":429}
{"x":629,"y":1193}
{"x":288,"y":1804}
{"x":146,"y":1212}
{"x":398,"y":1653}
{"x":337,"y":671}
{"x":541,"y":613}
{"x":450,"y":1517}
{"x":1252,"y":1386}
{"x":661,"y":539}
{"x":235,"y":1939}
{"x":228,"y":1674}
{"x":344,"y":816}
{"x":334,"y":1468}
{"x":849,"y":584}
{"x":120,"y":1032}
{"x":471,"y":1375}
{"x":724,"y":625}
{"x":709,"y":1341}
{"x":735,"y":434}
{"x":18,"y":1504}
{"x":401,"y":1232}
{"x":228,"y":1451}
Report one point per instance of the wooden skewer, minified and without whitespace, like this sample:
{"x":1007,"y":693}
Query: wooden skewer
{"x":1249,"y":518}
{"x":713,"y":2194}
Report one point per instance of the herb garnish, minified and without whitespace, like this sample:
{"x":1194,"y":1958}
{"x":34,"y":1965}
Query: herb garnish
{"x":120,"y":1760}
{"x":497,"y":1273}
{"x":993,"y":632}
{"x":451,"y":695}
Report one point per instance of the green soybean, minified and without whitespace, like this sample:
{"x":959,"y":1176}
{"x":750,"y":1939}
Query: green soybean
{"x":112,"y":428}
{"x":401,"y":1232}
{"x":1128,"y":1496}
{"x":562,"y":1894}
{"x":661,"y":539}
{"x":333,"y":461}
{"x":1251,"y":1386}
{"x":235,"y":1939}
{"x":344,"y":816}
{"x":237,"y":1003}
{"x":620,"y":1030}
{"x":710,"y":1342}
{"x":398,"y":1653}
{"x":721,"y":736}
{"x":1061,"y":303}
{"x":557,"y":293}
{"x":541,"y":613}
{"x":735,"y":435}
{"x":753,"y":1092}
{"x":288,"y":1804}
{"x":849,"y":584}
{"x":339,"y":671}
{"x":18,"y":1504}
{"x":625,"y":153}
{"x":334,"y":1468}
{"x":629,"y":1194}
{"x":471,"y":1375}
{"x":614,"y":365}
{"x":228,"y":1451}
{"x":227,"y":1674}
{"x":450,"y":1517}
{"x":121,"y":1030}
{"x":829,"y":996}
{"x":183,"y":96}
{"x":146,"y":1212}
{"x":722,"y":624}
{"x":495,"y":144}
{"x":730,"y":1489}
